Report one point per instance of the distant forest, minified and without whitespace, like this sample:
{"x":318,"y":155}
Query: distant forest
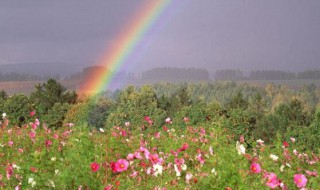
{"x":236,"y":74}
{"x":15,"y":76}
{"x":172,"y":74}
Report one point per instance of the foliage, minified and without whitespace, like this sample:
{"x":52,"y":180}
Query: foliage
{"x":56,"y":115}
{"x":17,"y":107}
{"x":134,"y":105}
{"x":79,"y":112}
{"x":49,"y":93}
{"x":99,"y":111}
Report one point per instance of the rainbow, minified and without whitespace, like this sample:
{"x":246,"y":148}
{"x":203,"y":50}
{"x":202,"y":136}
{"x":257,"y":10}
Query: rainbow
{"x":125,"y":44}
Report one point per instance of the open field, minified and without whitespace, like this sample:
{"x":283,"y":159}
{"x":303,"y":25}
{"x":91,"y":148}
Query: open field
{"x":26,"y":87}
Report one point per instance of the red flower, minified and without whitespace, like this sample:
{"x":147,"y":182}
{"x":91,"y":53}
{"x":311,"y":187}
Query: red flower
{"x":285,"y":144}
{"x":94,"y":167}
{"x":33,"y":169}
{"x":184,"y":147}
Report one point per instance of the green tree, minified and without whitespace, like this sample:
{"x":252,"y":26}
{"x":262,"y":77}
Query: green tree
{"x":47,"y":94}
{"x":56,"y":115}
{"x":99,"y":111}
{"x":132,"y":106}
{"x":17,"y":108}
{"x":237,"y":102}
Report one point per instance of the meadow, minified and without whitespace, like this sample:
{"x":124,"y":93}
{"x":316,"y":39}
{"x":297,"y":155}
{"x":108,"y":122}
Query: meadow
{"x":140,"y":140}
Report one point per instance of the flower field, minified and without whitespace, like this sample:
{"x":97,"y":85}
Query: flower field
{"x":148,"y":157}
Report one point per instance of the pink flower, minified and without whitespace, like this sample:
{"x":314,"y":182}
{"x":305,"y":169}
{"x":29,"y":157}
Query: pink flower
{"x":154,"y":158}
{"x":123,"y":133}
{"x":9,"y":171}
{"x":184,"y":147}
{"x":157,"y":135}
{"x":179,"y":162}
{"x":241,"y":138}
{"x":55,"y":136}
{"x":255,"y":168}
{"x":34,"y":126}
{"x":200,"y":159}
{"x":147,"y":119}
{"x":168,"y":120}
{"x":108,"y":187}
{"x":300,"y":180}
{"x":20,"y":150}
{"x":48,"y":143}
{"x":32,"y":113}
{"x":174,"y":153}
{"x":32,"y":135}
{"x":145,"y":152}
{"x":69,"y":124}
{"x":272,"y":180}
{"x":293,"y":139}
{"x":185,"y":119}
{"x":130,"y":157}
{"x":94,"y":166}
{"x":10,"y":143}
{"x":137,"y":155}
{"x":314,"y":173}
{"x":134,"y":174}
{"x":120,"y":166}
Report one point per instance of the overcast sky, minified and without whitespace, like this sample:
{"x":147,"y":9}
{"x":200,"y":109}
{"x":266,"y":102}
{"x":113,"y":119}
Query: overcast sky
{"x":212,"y":34}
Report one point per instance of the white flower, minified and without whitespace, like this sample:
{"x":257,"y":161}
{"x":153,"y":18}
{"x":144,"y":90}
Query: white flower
{"x":188,"y":177}
{"x":1,"y":145}
{"x":214,"y":171}
{"x":282,"y":168}
{"x":101,"y":130}
{"x":157,"y":168}
{"x":53,"y":159}
{"x":16,"y":167}
{"x":51,"y":183}
{"x":56,"y":172}
{"x":183,"y":167}
{"x":274,"y":157}
{"x":287,"y":164}
{"x":177,"y":170}
{"x":260,"y":141}
{"x":127,"y":140}
{"x":241,"y":149}
{"x":31,"y":181}
{"x":4,"y":115}
{"x":127,"y":124}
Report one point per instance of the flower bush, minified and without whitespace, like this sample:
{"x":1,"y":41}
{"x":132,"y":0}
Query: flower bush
{"x":172,"y":156}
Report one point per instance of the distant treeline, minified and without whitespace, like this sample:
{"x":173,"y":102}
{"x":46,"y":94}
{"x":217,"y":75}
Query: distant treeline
{"x":172,"y":74}
{"x":13,"y":76}
{"x":236,"y":74}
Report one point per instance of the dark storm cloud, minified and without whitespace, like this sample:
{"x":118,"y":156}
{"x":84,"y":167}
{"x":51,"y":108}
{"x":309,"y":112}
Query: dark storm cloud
{"x":213,"y":34}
